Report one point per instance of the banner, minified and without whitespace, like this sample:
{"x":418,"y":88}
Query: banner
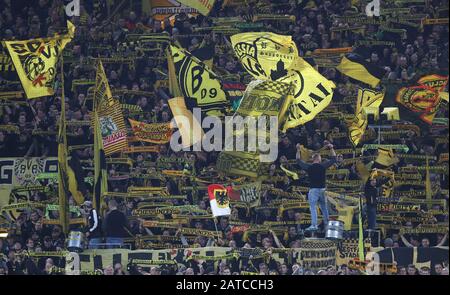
{"x":21,"y":172}
{"x":158,"y":133}
{"x":203,"y":6}
{"x":35,"y":61}
{"x":164,"y":9}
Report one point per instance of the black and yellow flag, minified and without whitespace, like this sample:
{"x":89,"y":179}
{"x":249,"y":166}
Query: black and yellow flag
{"x":270,"y":56}
{"x":35,"y":61}
{"x":386,"y":157}
{"x":109,"y":115}
{"x":100,"y":173}
{"x":354,"y":66}
{"x":75,"y":175}
{"x":261,"y":99}
{"x":366,"y":98}
{"x":265,"y":55}
{"x":198,"y":84}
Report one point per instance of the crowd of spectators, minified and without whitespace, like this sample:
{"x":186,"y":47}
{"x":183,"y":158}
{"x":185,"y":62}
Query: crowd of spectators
{"x":98,"y":34}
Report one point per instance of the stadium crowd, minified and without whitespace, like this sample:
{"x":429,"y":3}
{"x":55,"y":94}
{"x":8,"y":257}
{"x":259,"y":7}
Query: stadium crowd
{"x":98,"y":34}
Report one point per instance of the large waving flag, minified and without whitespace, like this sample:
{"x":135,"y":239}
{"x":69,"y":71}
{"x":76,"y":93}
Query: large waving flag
{"x":35,"y":61}
{"x":354,"y":66}
{"x":270,"y":56}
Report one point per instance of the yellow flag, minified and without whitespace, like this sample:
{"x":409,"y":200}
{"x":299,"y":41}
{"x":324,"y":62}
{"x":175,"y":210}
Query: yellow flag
{"x":386,"y":157}
{"x":312,"y":93}
{"x":366,"y":98}
{"x":35,"y":61}
{"x":265,"y":55}
{"x":203,"y":6}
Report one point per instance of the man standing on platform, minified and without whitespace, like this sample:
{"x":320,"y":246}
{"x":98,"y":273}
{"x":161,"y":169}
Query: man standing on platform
{"x":317,"y":183}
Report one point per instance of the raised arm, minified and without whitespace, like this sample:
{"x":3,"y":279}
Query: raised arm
{"x":329,"y":163}
{"x":303,"y":165}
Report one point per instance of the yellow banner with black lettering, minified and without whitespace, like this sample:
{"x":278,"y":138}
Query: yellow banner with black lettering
{"x":35,"y":61}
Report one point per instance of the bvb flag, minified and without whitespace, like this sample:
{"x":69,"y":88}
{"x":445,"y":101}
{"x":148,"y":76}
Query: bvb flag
{"x":198,"y":84}
{"x":354,"y":66}
{"x":219,"y":200}
{"x":203,"y":6}
{"x":35,"y":61}
{"x":109,"y":115}
{"x":367,"y":98}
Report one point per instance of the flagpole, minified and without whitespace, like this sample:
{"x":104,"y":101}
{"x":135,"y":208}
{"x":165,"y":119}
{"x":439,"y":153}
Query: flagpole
{"x":217,"y":231}
{"x":62,"y":155}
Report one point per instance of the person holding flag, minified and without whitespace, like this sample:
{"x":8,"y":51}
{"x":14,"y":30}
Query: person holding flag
{"x":317,"y":183}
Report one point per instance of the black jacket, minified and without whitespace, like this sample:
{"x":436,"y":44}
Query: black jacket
{"x":94,"y":225}
{"x":115,"y":224}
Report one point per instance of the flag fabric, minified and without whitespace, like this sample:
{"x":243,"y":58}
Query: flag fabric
{"x":386,"y":157}
{"x":219,"y":200}
{"x":418,"y":102}
{"x":354,"y":66}
{"x":248,"y":193}
{"x":62,"y":165}
{"x":367,"y":98}
{"x":270,"y":56}
{"x":100,"y":173}
{"x":202,"y":6}
{"x":264,"y":55}
{"x":261,"y":99}
{"x":312,"y":93}
{"x":158,"y":133}
{"x":109,"y":115}
{"x":198,"y":84}
{"x":75,"y":176}
{"x":436,"y":82}
{"x":35,"y":61}
{"x":205,"y":53}
{"x":173,"y":82}
{"x":189,"y":127}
